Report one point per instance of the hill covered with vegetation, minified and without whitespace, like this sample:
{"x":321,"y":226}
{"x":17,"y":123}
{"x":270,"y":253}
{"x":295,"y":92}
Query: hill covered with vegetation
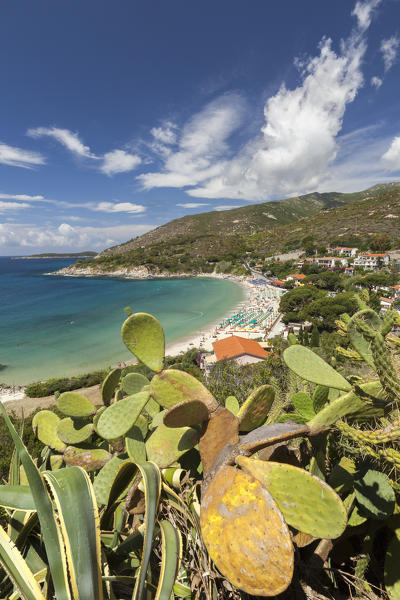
{"x":222,"y":240}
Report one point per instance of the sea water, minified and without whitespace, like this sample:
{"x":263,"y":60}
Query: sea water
{"x":52,"y":325}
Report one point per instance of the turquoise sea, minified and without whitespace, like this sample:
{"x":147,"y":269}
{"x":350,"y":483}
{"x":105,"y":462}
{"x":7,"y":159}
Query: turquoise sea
{"x":55,"y":325}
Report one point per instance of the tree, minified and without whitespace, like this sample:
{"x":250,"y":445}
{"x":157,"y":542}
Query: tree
{"x":326,"y":310}
{"x":380,"y":242}
{"x":314,"y":341}
{"x":293,"y":302}
{"x":301,"y":336}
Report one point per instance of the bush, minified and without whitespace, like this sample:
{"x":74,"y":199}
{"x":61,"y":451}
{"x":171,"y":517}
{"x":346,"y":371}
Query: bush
{"x":39,"y":389}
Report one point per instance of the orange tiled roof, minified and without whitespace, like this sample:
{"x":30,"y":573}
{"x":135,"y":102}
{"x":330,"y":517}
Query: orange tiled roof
{"x":390,"y":300}
{"x":344,"y":248}
{"x":349,"y":269}
{"x":298,"y":275}
{"x":369,"y":254}
{"x":396,"y":287}
{"x":234,"y":346}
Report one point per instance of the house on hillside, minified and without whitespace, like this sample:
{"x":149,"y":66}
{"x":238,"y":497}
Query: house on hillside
{"x":349,"y":271}
{"x":344,"y":251}
{"x":297,"y":277}
{"x":396,"y":289}
{"x":386,"y":303}
{"x":239,"y":349}
{"x":371,"y":261}
{"x":328,"y":262}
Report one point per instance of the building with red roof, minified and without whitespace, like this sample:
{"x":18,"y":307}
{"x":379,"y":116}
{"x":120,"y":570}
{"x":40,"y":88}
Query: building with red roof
{"x":240,"y":349}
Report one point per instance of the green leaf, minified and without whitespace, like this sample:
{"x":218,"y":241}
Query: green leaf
{"x":17,"y":569}
{"x":311,"y":367}
{"x":232,"y":404}
{"x":44,"y":507}
{"x":359,"y":343}
{"x":79,"y":522}
{"x":320,"y":397}
{"x":143,"y":335}
{"x":74,"y":404}
{"x":166,"y":444}
{"x":118,"y":418}
{"x":17,"y":497}
{"x":134,"y":383}
{"x":109,"y":385}
{"x":152,"y":490}
{"x":392,"y":561}
{"x":171,"y":556}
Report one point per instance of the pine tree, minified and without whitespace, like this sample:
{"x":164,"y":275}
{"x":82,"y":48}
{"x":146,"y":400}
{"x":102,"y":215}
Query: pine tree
{"x":301,"y":336}
{"x":314,"y":342}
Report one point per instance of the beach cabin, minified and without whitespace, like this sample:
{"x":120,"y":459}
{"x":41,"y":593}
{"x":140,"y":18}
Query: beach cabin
{"x":239,"y":349}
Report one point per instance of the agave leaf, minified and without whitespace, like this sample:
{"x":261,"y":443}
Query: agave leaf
{"x":311,"y":367}
{"x":171,"y":541}
{"x":72,"y":487}
{"x":152,"y":490}
{"x":18,"y":570}
{"x":44,"y":507}
{"x":17,"y":497}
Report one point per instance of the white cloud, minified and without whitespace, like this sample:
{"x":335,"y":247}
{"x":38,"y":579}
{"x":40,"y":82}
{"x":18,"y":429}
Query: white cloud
{"x":67,"y":138}
{"x":225,"y":207}
{"x":16,"y":238}
{"x":12,"y":205}
{"x":391,"y":158}
{"x":119,"y":161}
{"x":389,"y":50}
{"x":126,"y":207}
{"x":165,"y":134}
{"x":297,"y":144}
{"x":363,"y":11}
{"x":17,"y":157}
{"x":193,"y":204}
{"x":201,"y":145}
{"x":20,"y":197}
{"x":376,"y":82}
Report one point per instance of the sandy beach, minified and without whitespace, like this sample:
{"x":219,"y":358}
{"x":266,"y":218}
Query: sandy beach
{"x":202,"y":339}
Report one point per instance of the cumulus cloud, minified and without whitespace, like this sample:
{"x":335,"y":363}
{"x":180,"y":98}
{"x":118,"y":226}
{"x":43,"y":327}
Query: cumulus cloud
{"x":389,"y":49}
{"x":391,"y":158}
{"x":4,"y":206}
{"x":202,"y":143}
{"x":16,"y":238}
{"x":193,"y":204}
{"x":119,"y":161}
{"x":376,"y":82}
{"x":126,"y":207}
{"x":297,"y":142}
{"x":363,"y":11}
{"x":165,"y":134}
{"x":17,"y":157}
{"x":67,"y":138}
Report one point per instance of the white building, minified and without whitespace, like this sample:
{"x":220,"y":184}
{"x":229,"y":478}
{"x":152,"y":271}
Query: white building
{"x":372,"y":261}
{"x":344,"y":251}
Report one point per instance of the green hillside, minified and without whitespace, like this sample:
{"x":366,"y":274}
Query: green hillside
{"x":199,"y":243}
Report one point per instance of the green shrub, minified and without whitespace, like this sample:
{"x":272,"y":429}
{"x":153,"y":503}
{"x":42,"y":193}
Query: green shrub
{"x":39,"y":389}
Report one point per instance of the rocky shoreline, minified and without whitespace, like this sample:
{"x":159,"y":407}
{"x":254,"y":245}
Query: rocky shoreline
{"x":125,"y":272}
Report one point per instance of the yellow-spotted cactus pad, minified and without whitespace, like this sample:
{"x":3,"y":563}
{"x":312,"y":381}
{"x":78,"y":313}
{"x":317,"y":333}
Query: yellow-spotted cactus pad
{"x":184,"y":414}
{"x":45,"y":424}
{"x":255,"y":410}
{"x":307,"y":503}
{"x":74,"y":404}
{"x":173,"y":386}
{"x":245,"y":533}
{"x":143,"y":335}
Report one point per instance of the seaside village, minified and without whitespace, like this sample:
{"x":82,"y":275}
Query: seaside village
{"x":245,"y":335}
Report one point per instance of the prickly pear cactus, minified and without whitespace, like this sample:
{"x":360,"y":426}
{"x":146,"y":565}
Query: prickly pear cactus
{"x":307,"y":503}
{"x":311,"y":367}
{"x":143,"y":335}
{"x":73,"y":404}
{"x":118,"y":418}
{"x":255,"y":409}
{"x":45,"y":424}
{"x":245,"y":534}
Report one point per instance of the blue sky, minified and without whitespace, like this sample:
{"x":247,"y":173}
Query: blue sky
{"x":117,"y":117}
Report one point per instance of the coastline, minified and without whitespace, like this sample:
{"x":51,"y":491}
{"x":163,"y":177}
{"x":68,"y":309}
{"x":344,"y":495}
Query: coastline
{"x":10,"y":393}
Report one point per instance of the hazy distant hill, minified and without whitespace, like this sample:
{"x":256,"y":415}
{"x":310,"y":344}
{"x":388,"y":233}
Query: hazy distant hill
{"x":197,"y":243}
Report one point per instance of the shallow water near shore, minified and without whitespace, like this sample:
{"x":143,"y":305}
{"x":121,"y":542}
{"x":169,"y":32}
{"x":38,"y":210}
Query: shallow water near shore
{"x":52,"y":326}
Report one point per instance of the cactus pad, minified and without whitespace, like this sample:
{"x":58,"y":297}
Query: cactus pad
{"x":255,"y":409}
{"x":71,"y":432}
{"x":172,"y":386}
{"x":133,"y":383}
{"x":44,"y":424}
{"x":105,"y":478}
{"x":166,"y":444}
{"x":73,"y":404}
{"x":304,"y":405}
{"x":320,"y":397}
{"x":186,"y":413}
{"x":134,"y":445}
{"x":143,"y":335}
{"x":118,"y":418}
{"x":311,"y":367}
{"x":56,"y":461}
{"x":392,"y":561}
{"x":307,"y":503}
{"x":90,"y":460}
{"x":245,"y":534}
{"x":358,"y":341}
{"x":109,"y":385}
{"x":232,"y":404}
{"x":222,"y":429}
{"x":375,"y":495}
